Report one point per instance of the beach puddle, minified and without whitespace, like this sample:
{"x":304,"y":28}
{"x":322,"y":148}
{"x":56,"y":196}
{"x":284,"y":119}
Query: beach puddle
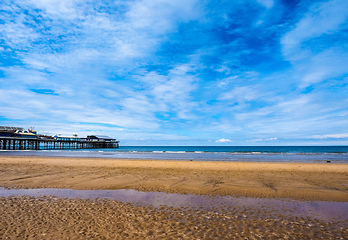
{"x":243,"y":206}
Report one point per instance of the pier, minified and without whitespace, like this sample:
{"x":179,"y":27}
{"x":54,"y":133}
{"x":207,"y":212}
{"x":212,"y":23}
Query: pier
{"x":20,"y":143}
{"x":16,"y":138}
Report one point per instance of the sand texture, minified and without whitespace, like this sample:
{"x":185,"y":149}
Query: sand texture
{"x":57,"y":218}
{"x":300,"y":181}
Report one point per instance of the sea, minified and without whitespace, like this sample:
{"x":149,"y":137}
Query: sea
{"x":304,"y":154}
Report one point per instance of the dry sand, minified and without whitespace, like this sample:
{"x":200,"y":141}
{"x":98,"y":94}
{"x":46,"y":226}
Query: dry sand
{"x":301,"y":181}
{"x":58,"y":218}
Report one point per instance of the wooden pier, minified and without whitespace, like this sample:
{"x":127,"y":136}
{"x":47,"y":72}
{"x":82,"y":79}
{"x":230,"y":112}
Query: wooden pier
{"x":21,"y":143}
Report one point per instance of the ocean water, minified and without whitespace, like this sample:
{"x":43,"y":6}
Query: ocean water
{"x":332,"y":154}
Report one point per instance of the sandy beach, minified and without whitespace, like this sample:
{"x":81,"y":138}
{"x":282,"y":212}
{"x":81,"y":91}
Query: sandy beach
{"x":300,"y":181}
{"x":53,"y":217}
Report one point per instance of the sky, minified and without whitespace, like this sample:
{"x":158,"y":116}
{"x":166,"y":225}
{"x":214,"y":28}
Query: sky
{"x":183,"y":72}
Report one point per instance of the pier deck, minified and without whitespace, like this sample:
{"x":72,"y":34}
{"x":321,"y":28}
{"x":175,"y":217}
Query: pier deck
{"x":21,"y":143}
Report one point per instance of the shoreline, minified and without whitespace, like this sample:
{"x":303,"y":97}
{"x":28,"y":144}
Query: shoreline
{"x":298,"y":181}
{"x":160,"y":154}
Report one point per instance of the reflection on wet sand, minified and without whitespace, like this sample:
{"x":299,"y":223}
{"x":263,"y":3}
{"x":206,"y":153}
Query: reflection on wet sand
{"x":326,"y":211}
{"x":63,"y":218}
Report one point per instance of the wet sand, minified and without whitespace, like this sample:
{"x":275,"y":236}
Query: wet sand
{"x":59,"y":218}
{"x":299,"y":181}
{"x":25,"y":217}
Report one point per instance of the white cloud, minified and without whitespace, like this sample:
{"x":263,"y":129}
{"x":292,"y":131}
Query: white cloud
{"x":270,"y":139}
{"x":223,"y":140}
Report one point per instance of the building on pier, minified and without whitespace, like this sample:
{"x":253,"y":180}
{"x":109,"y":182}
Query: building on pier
{"x":60,"y":137}
{"x":100,"y":138}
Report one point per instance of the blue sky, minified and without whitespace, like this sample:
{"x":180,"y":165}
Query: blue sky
{"x":184,"y":72}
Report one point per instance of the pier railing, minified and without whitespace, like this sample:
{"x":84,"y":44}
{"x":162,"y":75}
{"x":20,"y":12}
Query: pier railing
{"x":21,"y":143}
